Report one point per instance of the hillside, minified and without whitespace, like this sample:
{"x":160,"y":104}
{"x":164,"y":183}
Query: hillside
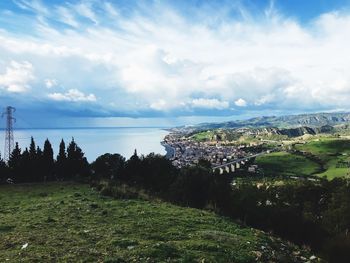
{"x":269,"y":133}
{"x":333,"y":154}
{"x":73,"y":223}
{"x":288,"y":121}
{"x":324,"y":157}
{"x":287,"y":164}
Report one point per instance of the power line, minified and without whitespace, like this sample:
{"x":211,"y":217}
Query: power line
{"x":9,"y":141}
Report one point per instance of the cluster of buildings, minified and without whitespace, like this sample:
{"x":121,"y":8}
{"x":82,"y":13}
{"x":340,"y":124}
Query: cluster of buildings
{"x":184,"y":151}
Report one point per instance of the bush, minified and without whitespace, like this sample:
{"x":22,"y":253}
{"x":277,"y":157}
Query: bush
{"x":338,"y":249}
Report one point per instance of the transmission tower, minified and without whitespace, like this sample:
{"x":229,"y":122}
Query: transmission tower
{"x":9,"y":141}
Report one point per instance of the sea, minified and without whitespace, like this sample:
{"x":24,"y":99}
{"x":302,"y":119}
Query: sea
{"x":95,"y":141}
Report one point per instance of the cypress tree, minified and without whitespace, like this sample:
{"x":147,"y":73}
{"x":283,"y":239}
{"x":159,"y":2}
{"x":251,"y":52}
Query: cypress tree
{"x":3,"y":171}
{"x":14,"y":164}
{"x":61,"y":163}
{"x":77,"y":164}
{"x":33,"y":164}
{"x":38,"y":165}
{"x":48,"y":161}
{"x":32,"y":149}
{"x":26,"y":165}
{"x":133,"y":172}
{"x":71,"y":159}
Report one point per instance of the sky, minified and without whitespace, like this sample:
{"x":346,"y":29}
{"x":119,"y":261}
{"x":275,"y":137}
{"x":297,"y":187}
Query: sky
{"x":166,"y":63}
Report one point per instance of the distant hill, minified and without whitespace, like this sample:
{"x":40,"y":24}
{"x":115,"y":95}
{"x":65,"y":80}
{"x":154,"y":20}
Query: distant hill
{"x":269,"y":133}
{"x":315,"y":120}
{"x":294,"y":132}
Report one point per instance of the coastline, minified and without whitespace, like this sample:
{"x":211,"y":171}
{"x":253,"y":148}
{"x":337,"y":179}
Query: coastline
{"x":170,"y":151}
{"x":95,"y":142}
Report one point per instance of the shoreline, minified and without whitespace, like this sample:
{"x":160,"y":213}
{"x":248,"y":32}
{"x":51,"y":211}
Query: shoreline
{"x":170,"y":151}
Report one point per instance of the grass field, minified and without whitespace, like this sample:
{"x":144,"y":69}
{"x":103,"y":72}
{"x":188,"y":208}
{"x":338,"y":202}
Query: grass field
{"x":324,"y":147}
{"x":203,"y":136}
{"x":72,"y":223}
{"x":332,"y":152}
{"x":283,"y":163}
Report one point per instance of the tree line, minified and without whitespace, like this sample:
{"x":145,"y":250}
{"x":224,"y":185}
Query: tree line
{"x":311,"y":213}
{"x":39,"y":165}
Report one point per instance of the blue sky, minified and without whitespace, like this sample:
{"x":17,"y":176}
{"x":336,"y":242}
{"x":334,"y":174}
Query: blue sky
{"x":164,"y":63}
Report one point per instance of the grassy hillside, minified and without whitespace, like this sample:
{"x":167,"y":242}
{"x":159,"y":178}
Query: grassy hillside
{"x":334,"y":153}
{"x":333,"y":159}
{"x":72,"y":223}
{"x":203,"y":136}
{"x":283,"y":163}
{"x":324,"y":147}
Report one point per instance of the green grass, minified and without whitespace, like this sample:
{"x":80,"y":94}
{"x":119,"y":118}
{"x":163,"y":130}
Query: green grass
{"x":324,"y":147}
{"x":286,"y":164}
{"x":203,"y":136}
{"x":65,"y":222}
{"x":331,"y":151}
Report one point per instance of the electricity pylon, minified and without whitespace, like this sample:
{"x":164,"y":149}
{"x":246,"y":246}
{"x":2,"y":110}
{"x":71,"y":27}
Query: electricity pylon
{"x":9,"y":141}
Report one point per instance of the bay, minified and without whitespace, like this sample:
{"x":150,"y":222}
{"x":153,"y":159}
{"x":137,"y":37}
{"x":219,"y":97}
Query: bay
{"x":96,"y":141}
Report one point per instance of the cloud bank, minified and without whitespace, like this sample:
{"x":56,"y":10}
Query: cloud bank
{"x":72,"y":95}
{"x":157,"y":59}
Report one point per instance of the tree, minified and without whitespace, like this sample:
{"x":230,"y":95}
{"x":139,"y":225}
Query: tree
{"x":77,"y":165}
{"x":26,"y":166}
{"x":220,"y":193}
{"x":33,"y":165}
{"x":48,"y":161}
{"x":109,"y":166}
{"x":133,"y":170}
{"x":4,"y":173}
{"x":37,"y":167}
{"x":32,"y":149}
{"x":61,"y":161}
{"x":14,"y":164}
{"x":204,"y":163}
{"x":158,"y":173}
{"x":192,"y":187}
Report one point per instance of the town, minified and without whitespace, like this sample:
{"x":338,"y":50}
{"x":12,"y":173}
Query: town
{"x":183,"y":150}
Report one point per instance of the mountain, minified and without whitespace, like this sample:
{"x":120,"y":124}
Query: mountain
{"x":293,"y":132}
{"x":316,"y":120}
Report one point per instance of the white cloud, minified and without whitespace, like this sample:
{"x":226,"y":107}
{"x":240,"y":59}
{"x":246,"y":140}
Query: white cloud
{"x":84,"y":9}
{"x":111,"y":10}
{"x":72,"y":95}
{"x":209,"y":104}
{"x":159,"y":105}
{"x":50,"y":83}
{"x":66,"y":16}
{"x":17,"y":77}
{"x":265,"y":99}
{"x":163,"y":60}
{"x":241,"y":102}
{"x":33,"y":5}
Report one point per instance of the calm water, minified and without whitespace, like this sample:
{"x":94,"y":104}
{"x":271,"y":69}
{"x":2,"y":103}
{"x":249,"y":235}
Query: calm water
{"x":96,"y":141}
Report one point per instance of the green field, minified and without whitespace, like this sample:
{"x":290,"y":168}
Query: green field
{"x":286,"y":164}
{"x":72,"y":223}
{"x":203,"y":136}
{"x":333,"y":156}
{"x":324,"y":147}
{"x":334,"y":153}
